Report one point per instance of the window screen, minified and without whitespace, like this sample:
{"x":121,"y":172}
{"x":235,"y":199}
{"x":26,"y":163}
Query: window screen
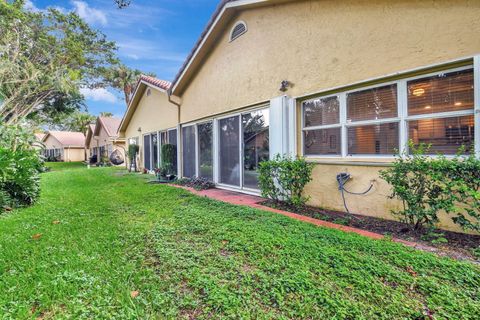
{"x":323,"y":111}
{"x":154,"y":140}
{"x":188,"y":151}
{"x":444,"y":135}
{"x":372,"y":104}
{"x":322,"y":142}
{"x":255,"y":127}
{"x":146,"y":152}
{"x":379,"y":139}
{"x":205,"y":150}
{"x":172,"y":139}
{"x":229,"y":140}
{"x":441,"y":93}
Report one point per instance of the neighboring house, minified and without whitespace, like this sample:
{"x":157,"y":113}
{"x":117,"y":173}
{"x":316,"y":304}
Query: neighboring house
{"x":64,"y":146}
{"x":150,"y":121}
{"x":343,"y":83}
{"x":102,"y":138}
{"x":38,"y":140}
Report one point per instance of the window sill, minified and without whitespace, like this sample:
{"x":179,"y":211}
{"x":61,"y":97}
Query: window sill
{"x":364,"y":162}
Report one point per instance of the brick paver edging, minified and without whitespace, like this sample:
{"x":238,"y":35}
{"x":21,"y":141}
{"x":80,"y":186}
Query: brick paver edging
{"x":238,"y":198}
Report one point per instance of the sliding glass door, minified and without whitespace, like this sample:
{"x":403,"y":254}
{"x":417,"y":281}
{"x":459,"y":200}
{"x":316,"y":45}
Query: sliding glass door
{"x":229,"y":151}
{"x":147,"y":161}
{"x":155,"y":150}
{"x":255,"y":127}
{"x":205,"y":150}
{"x":189,"y":154}
{"x":241,"y":142}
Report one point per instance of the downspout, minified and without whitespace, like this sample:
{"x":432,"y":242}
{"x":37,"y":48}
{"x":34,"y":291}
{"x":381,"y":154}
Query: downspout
{"x":179,"y":133}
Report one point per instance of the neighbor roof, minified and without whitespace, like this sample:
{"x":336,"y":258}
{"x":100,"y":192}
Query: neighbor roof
{"x":224,"y":12}
{"x":111,"y":125}
{"x":39,"y":136}
{"x":67,"y":138}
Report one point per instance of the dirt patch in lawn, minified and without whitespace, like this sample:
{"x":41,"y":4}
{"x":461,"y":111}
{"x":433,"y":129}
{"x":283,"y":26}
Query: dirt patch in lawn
{"x":453,"y":244}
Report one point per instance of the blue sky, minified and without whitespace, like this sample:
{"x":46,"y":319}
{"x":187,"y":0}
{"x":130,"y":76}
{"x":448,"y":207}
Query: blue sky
{"x":153,"y":36}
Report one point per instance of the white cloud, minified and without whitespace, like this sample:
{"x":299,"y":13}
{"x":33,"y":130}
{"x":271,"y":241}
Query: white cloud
{"x":89,"y":14}
{"x":30,"y":6}
{"x":100,"y":94}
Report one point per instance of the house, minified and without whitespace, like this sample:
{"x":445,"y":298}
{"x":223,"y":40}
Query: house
{"x":343,"y":83}
{"x":102,"y":138}
{"x":64,"y":146}
{"x":150,"y":121}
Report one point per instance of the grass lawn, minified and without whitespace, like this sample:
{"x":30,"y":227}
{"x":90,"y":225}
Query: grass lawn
{"x":101,"y":244}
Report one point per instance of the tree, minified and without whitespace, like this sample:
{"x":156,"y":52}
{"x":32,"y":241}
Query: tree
{"x":45,"y":58}
{"x":124,"y":79}
{"x":106,"y":114}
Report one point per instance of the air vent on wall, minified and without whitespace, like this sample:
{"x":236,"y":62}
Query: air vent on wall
{"x":239,"y":29}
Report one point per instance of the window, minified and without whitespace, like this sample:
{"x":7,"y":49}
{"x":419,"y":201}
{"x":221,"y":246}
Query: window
{"x":147,"y":161}
{"x":255,"y":127}
{"x":435,"y":106}
{"x":229,"y":145}
{"x":379,"y":103}
{"x":188,"y":145}
{"x":172,"y":139}
{"x":239,"y":29}
{"x":437,"y":109}
{"x":154,"y":143}
{"x":322,"y":132}
{"x":205,"y":150}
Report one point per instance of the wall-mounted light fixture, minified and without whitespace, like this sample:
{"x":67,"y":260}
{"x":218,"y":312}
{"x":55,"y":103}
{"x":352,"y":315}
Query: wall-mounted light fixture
{"x":139,"y":129}
{"x":284,"y":85}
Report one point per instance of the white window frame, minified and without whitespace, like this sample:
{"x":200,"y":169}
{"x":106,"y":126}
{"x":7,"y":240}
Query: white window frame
{"x":402,"y":114}
{"x":340,"y":125}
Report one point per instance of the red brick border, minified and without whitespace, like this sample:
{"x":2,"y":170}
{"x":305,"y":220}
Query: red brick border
{"x":238,"y":198}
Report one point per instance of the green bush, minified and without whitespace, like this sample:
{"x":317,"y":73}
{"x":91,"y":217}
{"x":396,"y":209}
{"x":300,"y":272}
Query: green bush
{"x":133,"y":150}
{"x":284,"y":178}
{"x":428,"y":185}
{"x":169,"y":159}
{"x":20,"y":166}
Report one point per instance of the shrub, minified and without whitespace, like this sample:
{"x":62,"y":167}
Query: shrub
{"x":427,"y":186}
{"x":133,"y":150}
{"x":284,"y":178}
{"x":169,"y":158}
{"x":196,"y":183}
{"x":20,"y":166}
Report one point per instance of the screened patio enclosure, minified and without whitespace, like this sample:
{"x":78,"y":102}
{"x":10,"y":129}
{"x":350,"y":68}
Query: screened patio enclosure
{"x":152,"y":147}
{"x":227,"y":150}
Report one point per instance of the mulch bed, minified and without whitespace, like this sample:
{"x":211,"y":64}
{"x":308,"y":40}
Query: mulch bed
{"x":454,"y":244}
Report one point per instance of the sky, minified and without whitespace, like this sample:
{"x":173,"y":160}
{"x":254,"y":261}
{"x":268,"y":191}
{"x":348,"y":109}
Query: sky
{"x":152,"y":36}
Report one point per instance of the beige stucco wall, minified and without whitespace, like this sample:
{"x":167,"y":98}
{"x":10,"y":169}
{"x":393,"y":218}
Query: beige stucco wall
{"x":323,"y":44}
{"x":73,"y":154}
{"x":318,"y":45}
{"x":153,"y":113}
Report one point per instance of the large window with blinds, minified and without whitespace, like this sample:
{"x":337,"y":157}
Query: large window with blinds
{"x":440,"y":112}
{"x":435,"y":109}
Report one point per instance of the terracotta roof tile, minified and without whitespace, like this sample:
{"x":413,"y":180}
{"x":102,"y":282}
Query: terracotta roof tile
{"x":66,"y":138}
{"x":162,"y":84}
{"x":111,"y":125}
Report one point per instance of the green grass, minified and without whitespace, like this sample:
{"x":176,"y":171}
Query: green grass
{"x":191,"y":257}
{"x":59,"y":166}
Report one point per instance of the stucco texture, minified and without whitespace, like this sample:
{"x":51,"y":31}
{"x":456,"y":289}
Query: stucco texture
{"x":153,"y":113}
{"x":318,"y":45}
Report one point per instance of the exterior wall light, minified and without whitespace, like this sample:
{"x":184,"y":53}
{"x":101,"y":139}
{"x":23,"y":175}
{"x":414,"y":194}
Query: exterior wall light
{"x":284,"y":85}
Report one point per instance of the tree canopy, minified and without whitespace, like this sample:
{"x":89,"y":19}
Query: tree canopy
{"x":45,"y":58}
